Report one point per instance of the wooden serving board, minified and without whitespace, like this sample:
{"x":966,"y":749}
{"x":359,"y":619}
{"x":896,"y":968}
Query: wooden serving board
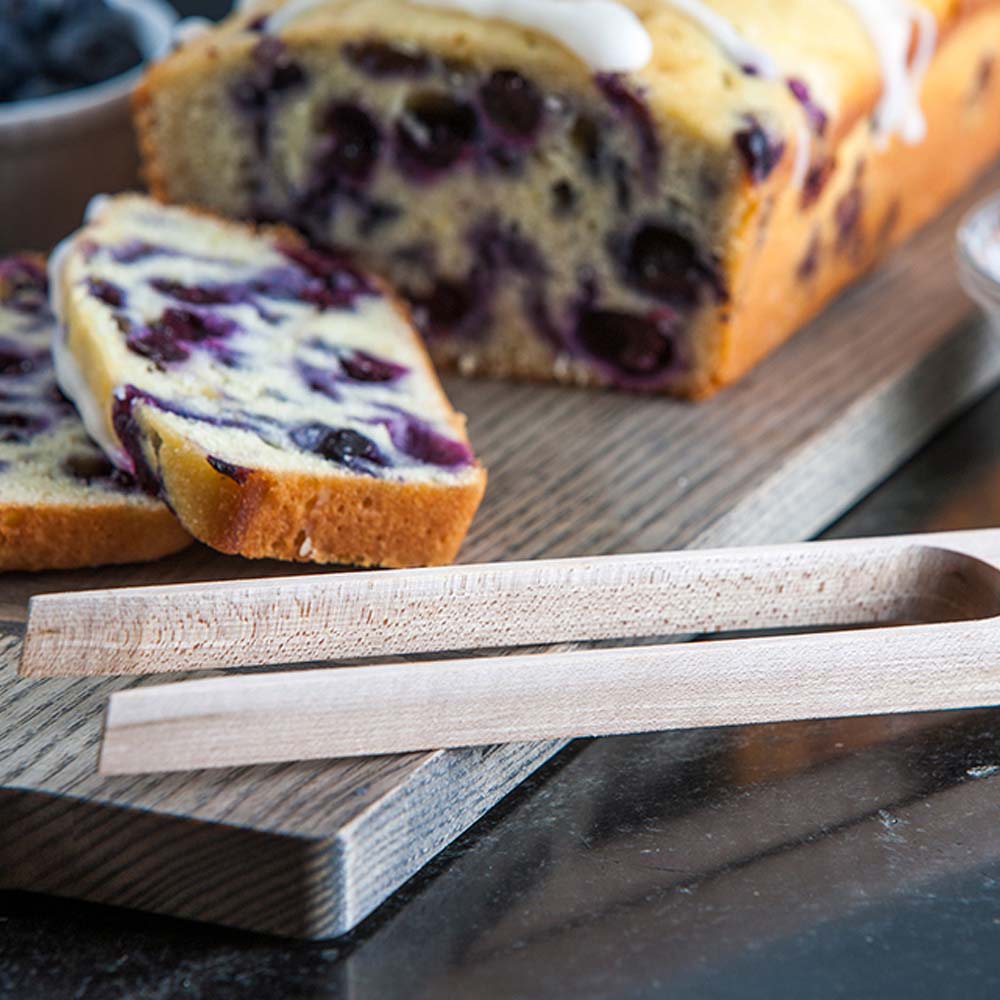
{"x":310,"y":849}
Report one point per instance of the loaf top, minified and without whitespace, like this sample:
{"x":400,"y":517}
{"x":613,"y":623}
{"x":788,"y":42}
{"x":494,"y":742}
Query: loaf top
{"x":274,"y":355}
{"x":45,"y":454}
{"x":823,"y":48}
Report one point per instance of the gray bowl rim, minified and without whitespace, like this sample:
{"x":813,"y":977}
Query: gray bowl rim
{"x":160,"y":20}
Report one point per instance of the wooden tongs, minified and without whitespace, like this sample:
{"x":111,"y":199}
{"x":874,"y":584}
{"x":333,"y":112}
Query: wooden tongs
{"x":933,"y":599}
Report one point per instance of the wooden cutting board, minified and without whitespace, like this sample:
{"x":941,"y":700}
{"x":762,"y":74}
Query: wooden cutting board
{"x":311,"y":849}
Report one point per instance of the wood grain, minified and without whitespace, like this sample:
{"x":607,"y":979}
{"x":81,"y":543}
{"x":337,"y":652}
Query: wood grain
{"x":352,"y":615}
{"x":775,"y":458}
{"x":432,"y":704}
{"x":370,"y":711}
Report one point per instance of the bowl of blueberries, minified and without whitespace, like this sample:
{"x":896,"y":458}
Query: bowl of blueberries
{"x":67,"y":70}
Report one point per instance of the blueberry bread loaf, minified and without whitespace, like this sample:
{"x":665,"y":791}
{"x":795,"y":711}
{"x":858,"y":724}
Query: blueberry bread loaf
{"x":62,"y":504}
{"x":275,"y":396}
{"x":644,"y":193}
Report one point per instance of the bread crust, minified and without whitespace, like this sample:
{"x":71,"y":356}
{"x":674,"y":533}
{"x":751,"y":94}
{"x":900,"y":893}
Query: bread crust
{"x":901,"y":187}
{"x":329,"y":518}
{"x":774,"y":286}
{"x":69,"y":536}
{"x":355,"y":520}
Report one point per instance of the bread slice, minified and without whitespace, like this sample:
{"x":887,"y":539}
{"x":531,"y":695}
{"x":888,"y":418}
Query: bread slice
{"x":62,"y":504}
{"x":557,"y":199}
{"x":276,"y":397}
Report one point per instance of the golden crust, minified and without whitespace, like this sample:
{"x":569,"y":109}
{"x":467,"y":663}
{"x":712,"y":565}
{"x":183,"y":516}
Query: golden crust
{"x":354,"y":520}
{"x":900,"y":187}
{"x":67,"y":536}
{"x":330,"y":518}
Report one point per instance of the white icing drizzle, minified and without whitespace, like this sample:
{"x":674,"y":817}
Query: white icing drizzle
{"x":74,"y":385}
{"x":189,"y":29}
{"x":605,"y":34}
{"x":68,"y":373}
{"x":803,"y":153}
{"x":723,"y":32}
{"x":890,"y":25}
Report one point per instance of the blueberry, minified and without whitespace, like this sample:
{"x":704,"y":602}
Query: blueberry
{"x":847,"y":217}
{"x":632,"y":106}
{"x":636,"y":349}
{"x":382,"y":59}
{"x":760,"y":151}
{"x":273,"y":74}
{"x":434,"y":133}
{"x":336,"y":283}
{"x":810,"y":260}
{"x":107,"y":292}
{"x":130,"y":436}
{"x":817,"y":117}
{"x":351,"y":144}
{"x":586,"y":138}
{"x":157,"y":344}
{"x":276,"y":70}
{"x":23,"y":285}
{"x":319,"y":380}
{"x":364,"y":367}
{"x":33,"y":17}
{"x":420,"y":441}
{"x":185,"y":324}
{"x":512,"y":104}
{"x":983,"y":77}
{"x":20,"y":427}
{"x":95,"y":46}
{"x":14,"y":361}
{"x":169,"y":338}
{"x":341,"y":445}
{"x":817,"y":176}
{"x":375,"y":215}
{"x":201,"y":295}
{"x":17,"y":62}
{"x":39,"y":86}
{"x":564,"y":198}
{"x":88,"y":467}
{"x":667,"y":265}
{"x":133,"y":251}
{"x":237,"y":473}
{"x":499,"y":244}
{"x":445,"y":309}
{"x":623,"y":184}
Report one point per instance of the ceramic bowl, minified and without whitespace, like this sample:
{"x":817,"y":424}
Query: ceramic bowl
{"x":57,"y":152}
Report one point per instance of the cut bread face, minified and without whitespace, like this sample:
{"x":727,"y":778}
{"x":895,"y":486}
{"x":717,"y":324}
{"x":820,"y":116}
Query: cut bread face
{"x":275,"y":396}
{"x":657,"y":229}
{"x":62,"y":503}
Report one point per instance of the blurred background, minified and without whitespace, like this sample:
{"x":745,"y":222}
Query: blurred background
{"x":65,"y":126}
{"x":204,"y":8}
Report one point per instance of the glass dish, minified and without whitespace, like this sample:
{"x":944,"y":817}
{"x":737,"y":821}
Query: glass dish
{"x":979,"y":254}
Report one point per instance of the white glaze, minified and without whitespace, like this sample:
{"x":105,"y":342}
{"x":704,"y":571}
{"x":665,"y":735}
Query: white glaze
{"x":723,"y":32}
{"x":890,"y":25}
{"x":68,"y":375}
{"x":74,"y":387}
{"x":605,"y":34}
{"x":189,"y":29}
